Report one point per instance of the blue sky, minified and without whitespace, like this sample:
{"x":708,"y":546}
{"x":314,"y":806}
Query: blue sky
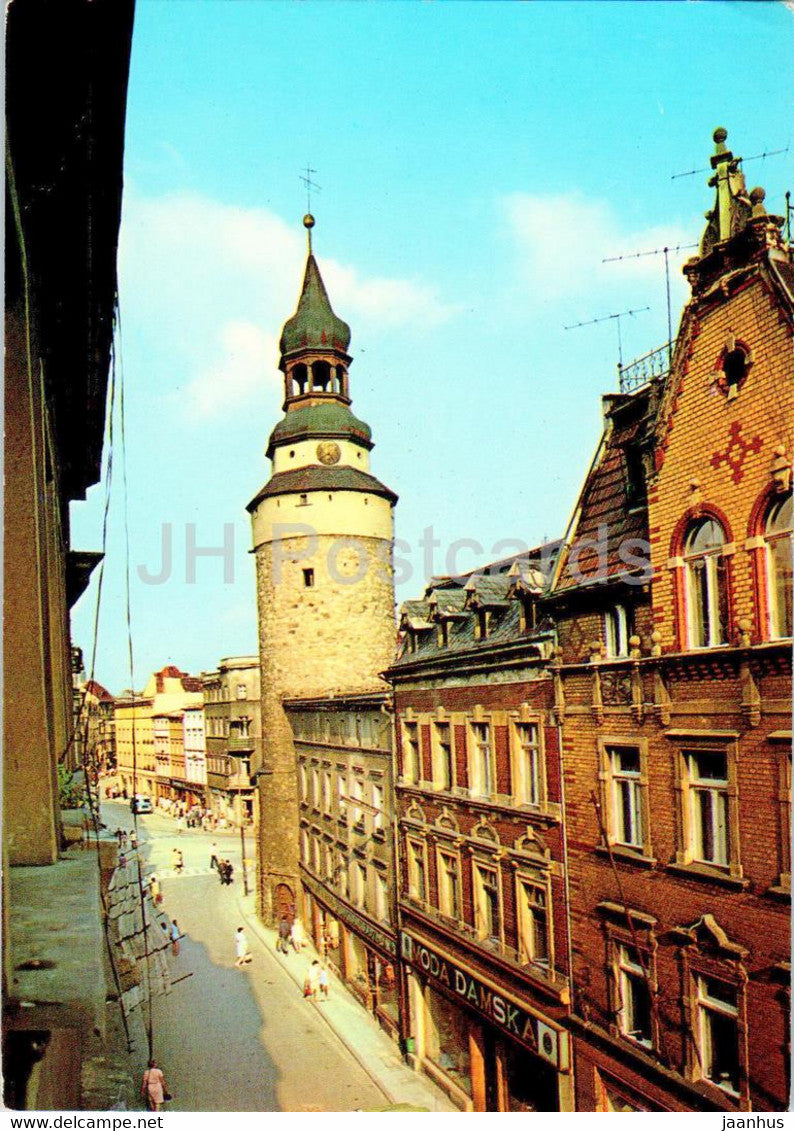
{"x":477,"y":161}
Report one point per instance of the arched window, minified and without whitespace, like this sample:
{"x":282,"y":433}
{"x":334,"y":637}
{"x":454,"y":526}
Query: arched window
{"x":777,"y":536}
{"x":300,"y":375}
{"x":706,"y":584}
{"x":321,"y":376}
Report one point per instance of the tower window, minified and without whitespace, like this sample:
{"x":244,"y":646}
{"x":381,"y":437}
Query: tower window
{"x":304,"y":501}
{"x":321,"y":376}
{"x":300,"y":377}
{"x":308,"y":578}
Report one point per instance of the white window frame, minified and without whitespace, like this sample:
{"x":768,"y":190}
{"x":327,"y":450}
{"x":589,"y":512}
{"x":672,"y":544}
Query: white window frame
{"x":616,"y":632}
{"x":416,"y":861}
{"x":377,"y":805}
{"x":381,"y":897}
{"x":484,"y":929}
{"x":616,"y":784}
{"x":772,"y":539}
{"x":327,"y":790}
{"x":519,"y":760}
{"x":341,"y":791}
{"x":357,"y":793}
{"x":411,"y":752}
{"x":437,"y":756}
{"x":478,"y":759}
{"x":629,"y":974}
{"x":706,"y":1007}
{"x":527,"y":921}
{"x":446,"y":905}
{"x":687,"y":854}
{"x":709,"y":812}
{"x":711,"y":561}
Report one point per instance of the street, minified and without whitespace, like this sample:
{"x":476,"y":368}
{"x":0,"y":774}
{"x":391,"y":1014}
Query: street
{"x":233,"y":1039}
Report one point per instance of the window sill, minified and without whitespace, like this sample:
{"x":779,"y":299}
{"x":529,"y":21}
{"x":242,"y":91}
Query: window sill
{"x":709,"y":875}
{"x":627,"y":855}
{"x":777,"y":891}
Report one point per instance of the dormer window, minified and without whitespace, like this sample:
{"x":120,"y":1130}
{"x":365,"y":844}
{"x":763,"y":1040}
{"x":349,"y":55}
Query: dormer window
{"x":616,"y":631}
{"x":635,"y":477}
{"x":528,"y":616}
{"x":443,"y":633}
{"x":481,"y":624}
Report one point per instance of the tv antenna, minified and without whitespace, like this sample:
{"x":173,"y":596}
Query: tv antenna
{"x":740,"y":160}
{"x":609,"y":318}
{"x":666,"y":252}
{"x":306,"y":177}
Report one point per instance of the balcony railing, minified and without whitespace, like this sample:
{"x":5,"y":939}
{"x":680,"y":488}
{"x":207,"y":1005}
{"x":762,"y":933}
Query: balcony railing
{"x":645,"y":369}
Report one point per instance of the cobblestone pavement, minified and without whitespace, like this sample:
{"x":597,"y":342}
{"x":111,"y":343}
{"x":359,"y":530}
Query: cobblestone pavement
{"x":235,"y":1039}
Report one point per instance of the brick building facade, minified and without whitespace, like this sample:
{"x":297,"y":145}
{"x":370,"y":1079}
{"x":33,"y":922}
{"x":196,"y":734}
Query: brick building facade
{"x":674,"y":699}
{"x":482,"y":902}
{"x":616,"y":936}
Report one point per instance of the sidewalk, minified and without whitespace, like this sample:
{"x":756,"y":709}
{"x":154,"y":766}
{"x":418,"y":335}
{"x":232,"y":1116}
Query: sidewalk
{"x":377,"y":1054}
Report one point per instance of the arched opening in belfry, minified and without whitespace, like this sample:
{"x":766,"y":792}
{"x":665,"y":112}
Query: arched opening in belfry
{"x":300,"y":379}
{"x":321,"y":376}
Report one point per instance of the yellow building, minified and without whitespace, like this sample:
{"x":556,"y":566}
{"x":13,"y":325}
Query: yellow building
{"x":168,"y":692}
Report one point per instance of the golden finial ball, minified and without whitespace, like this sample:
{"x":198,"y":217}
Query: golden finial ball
{"x":308,"y":220}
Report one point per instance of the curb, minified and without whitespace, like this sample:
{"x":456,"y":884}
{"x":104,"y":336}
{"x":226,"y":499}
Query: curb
{"x":258,"y":929}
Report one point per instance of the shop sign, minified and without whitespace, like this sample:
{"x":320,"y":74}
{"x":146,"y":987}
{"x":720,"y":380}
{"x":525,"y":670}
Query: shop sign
{"x":505,"y":1014}
{"x":349,"y":917}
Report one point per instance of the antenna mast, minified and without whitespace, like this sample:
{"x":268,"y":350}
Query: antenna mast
{"x":608,"y":318}
{"x":665,"y":251}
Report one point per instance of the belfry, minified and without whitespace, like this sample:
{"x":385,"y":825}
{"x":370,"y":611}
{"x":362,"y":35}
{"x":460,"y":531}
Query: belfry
{"x":323,"y":540}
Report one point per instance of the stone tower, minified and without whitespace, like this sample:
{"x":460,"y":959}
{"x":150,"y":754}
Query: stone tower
{"x":323,"y":539}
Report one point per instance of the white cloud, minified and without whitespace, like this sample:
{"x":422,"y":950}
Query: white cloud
{"x":236,"y":377}
{"x":208,"y":286}
{"x":563,"y":239}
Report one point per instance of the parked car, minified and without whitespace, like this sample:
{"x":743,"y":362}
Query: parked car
{"x":141,"y":804}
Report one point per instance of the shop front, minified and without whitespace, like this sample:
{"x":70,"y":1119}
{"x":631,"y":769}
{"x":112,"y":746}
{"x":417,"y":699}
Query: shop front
{"x":361,"y":953}
{"x":488,"y":1051}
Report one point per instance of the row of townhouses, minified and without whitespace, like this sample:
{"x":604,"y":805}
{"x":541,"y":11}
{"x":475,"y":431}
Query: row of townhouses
{"x":544,"y":834}
{"x":192,"y":740}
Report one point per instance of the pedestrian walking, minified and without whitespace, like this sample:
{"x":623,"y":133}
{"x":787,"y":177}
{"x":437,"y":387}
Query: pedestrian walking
{"x":296,"y":935}
{"x":174,"y":935}
{"x":133,"y":842}
{"x":229,"y":872}
{"x":153,"y":1087}
{"x":213,"y":855}
{"x":180,"y":824}
{"x":177,"y":860}
{"x":312,"y":981}
{"x":244,"y":955}
{"x":322,"y":983}
{"x":283,"y":935}
{"x":154,"y":890}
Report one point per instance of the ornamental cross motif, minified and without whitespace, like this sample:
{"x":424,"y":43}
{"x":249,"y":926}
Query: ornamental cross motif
{"x":736,"y":452}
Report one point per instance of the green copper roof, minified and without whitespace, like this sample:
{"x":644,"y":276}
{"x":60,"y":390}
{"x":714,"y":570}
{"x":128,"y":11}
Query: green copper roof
{"x":314,"y":325}
{"x":321,"y":421}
